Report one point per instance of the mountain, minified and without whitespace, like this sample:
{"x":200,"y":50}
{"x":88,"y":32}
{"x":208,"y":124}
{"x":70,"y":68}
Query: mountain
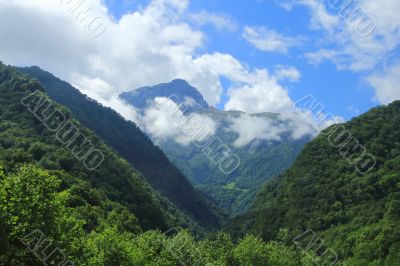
{"x":60,"y":205}
{"x":178,"y":90}
{"x":345,"y":187}
{"x":266,"y":153}
{"x":134,"y":146}
{"x":27,"y":136}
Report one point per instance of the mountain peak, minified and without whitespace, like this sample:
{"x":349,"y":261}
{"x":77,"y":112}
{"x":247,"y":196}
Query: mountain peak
{"x":178,"y":90}
{"x":180,"y":81}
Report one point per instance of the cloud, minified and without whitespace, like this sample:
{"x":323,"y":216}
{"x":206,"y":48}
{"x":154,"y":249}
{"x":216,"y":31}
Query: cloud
{"x":262,"y":128}
{"x":288,"y":73}
{"x":262,"y":93}
{"x":298,"y":125}
{"x":359,"y":34}
{"x":320,"y":18}
{"x":268,"y":40}
{"x":285,"y":4}
{"x":219,"y":21}
{"x":142,"y":48}
{"x":145,"y":47}
{"x":126,"y":110}
{"x":316,"y":58}
{"x":164,"y":120}
{"x":386,"y":85}
{"x":251,"y":128}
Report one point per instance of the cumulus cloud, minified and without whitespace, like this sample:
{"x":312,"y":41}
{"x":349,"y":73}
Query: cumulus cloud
{"x":149,"y":46}
{"x":268,"y":40}
{"x":146,"y":47}
{"x":262,"y":93}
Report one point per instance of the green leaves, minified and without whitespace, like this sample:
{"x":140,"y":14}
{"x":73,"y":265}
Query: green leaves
{"x":323,"y":192}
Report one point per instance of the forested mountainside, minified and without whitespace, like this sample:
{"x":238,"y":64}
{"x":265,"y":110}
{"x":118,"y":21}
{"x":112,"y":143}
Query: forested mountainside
{"x":235,"y":192}
{"x":58,"y":207}
{"x":259,"y":159}
{"x":353,"y":205}
{"x":127,"y":139}
{"x":25,"y":139}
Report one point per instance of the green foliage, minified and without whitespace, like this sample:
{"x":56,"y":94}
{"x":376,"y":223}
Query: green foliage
{"x":23,"y":138}
{"x":32,"y":200}
{"x":89,"y":217}
{"x":250,"y":251}
{"x":357,"y":215}
{"x":28,"y":201}
{"x":132,"y":144}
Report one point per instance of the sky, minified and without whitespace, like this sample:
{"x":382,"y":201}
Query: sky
{"x":253,"y":56}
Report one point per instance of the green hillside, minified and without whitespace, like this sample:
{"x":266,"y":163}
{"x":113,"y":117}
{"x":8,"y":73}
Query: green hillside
{"x":25,"y":139}
{"x":59,"y":209}
{"x":127,"y":139}
{"x":355,"y":209}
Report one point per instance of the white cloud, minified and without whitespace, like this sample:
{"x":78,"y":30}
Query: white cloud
{"x":387,"y":84}
{"x":288,"y":73}
{"x":164,"y":120}
{"x":142,"y":48}
{"x":262,"y":93}
{"x":358,"y":36}
{"x":320,"y":19}
{"x":298,"y":126}
{"x":126,"y":110}
{"x":145,"y":47}
{"x":268,"y":40}
{"x":355,"y":42}
{"x":262,"y":128}
{"x":219,"y":21}
{"x":251,"y":128}
{"x":285,"y":4}
{"x":320,"y":56}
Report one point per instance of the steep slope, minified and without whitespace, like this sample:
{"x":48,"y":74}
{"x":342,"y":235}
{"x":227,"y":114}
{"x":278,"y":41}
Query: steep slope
{"x":127,"y":139}
{"x":26,"y":138}
{"x":56,"y":211}
{"x":354,"y":207}
{"x":268,"y":154}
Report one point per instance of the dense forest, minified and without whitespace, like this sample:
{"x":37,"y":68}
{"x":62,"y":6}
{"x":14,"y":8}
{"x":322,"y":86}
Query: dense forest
{"x":133,"y":145}
{"x":355,"y":211}
{"x":54,"y":210}
{"x":35,"y":209}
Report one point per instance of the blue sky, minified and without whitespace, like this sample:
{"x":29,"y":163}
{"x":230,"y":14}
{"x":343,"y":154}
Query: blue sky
{"x":343,"y":92}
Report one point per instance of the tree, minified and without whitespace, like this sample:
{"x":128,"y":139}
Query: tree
{"x":29,"y":201}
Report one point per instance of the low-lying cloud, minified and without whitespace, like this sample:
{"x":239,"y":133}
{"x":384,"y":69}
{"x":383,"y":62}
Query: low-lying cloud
{"x":263,"y":128}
